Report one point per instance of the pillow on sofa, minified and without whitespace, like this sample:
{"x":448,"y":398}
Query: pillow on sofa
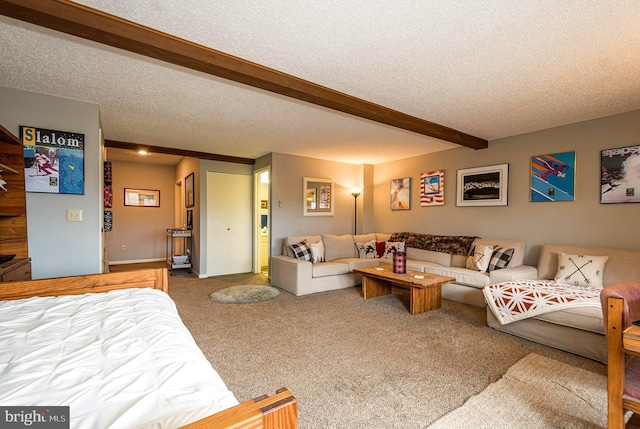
{"x":480,"y":258}
{"x":338,"y":247}
{"x":317,"y":252}
{"x":580,"y":270}
{"x":380,"y":246}
{"x":500,"y":258}
{"x":392,"y":247}
{"x":367,"y":250}
{"x":302,"y":250}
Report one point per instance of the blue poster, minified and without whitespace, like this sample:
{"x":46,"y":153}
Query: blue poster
{"x":553,"y":177}
{"x":53,"y":161}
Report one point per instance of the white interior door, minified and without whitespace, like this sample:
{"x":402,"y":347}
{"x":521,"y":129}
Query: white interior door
{"x":229,"y":223}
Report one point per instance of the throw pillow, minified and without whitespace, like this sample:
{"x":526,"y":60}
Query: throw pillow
{"x":380,"y":245}
{"x":500,"y":258}
{"x":367,"y":250}
{"x":302,"y":250}
{"x":317,"y":252}
{"x":480,"y":258}
{"x":580,"y":270}
{"x":392,"y":247}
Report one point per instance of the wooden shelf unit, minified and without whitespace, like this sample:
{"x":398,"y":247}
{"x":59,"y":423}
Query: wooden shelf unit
{"x":13,"y":205}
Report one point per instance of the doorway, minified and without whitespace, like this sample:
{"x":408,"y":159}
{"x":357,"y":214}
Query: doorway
{"x":262,"y":221}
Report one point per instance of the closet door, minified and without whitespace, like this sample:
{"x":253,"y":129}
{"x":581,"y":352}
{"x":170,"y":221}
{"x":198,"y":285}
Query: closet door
{"x":229,"y":223}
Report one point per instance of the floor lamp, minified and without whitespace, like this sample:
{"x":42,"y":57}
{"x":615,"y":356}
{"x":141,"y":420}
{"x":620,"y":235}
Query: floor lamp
{"x":355,"y":192}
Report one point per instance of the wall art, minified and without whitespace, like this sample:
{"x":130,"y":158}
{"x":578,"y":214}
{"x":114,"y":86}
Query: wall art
{"x":189,"y":196}
{"x":620,"y":175}
{"x":141,"y":197}
{"x":482,"y":186}
{"x":553,"y":177}
{"x":53,"y":161}
{"x":401,"y":194}
{"x":317,"y":197}
{"x":432,"y":188}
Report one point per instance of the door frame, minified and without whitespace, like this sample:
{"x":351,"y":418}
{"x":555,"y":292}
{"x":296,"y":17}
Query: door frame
{"x":257,"y":267}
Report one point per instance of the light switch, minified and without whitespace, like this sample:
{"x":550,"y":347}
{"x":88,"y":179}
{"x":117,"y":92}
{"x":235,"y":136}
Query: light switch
{"x":74,"y":215}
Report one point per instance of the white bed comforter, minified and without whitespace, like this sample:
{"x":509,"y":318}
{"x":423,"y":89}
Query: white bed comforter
{"x":121,"y":359}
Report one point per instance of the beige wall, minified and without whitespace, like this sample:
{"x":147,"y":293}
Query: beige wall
{"x":287,"y":173}
{"x":140,"y":229}
{"x":582,"y":222}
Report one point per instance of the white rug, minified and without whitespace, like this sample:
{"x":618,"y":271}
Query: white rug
{"x":244,"y":294}
{"x":536,"y":392}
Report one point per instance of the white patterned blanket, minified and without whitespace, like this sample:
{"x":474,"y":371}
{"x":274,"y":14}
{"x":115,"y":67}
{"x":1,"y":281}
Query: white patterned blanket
{"x":517,"y":300}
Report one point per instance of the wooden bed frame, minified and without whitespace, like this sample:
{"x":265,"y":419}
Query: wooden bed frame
{"x":279,"y":411}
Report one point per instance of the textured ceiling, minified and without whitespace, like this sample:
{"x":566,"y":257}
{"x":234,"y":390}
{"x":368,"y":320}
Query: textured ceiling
{"x":487,"y":68}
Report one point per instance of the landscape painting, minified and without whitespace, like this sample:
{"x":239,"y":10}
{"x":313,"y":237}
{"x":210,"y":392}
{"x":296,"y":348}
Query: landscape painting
{"x":482,"y":186}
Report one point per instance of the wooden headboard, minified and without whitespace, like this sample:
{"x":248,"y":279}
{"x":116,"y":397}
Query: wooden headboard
{"x":75,"y":285}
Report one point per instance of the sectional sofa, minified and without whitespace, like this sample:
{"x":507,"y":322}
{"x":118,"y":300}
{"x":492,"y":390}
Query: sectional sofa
{"x":579,"y":330}
{"x":340,"y":256}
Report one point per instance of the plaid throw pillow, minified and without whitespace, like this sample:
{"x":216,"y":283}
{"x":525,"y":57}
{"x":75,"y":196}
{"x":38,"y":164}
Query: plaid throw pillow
{"x":500,"y":258}
{"x":302,"y":250}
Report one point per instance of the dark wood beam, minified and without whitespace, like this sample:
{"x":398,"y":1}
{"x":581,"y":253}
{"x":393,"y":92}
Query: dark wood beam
{"x":92,"y":24}
{"x":179,"y":152}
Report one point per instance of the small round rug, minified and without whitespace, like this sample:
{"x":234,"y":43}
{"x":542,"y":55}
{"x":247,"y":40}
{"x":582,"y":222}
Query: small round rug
{"x":244,"y":294}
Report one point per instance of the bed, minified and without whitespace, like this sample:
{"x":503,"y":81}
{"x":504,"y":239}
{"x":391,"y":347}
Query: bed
{"x":113,"y":348}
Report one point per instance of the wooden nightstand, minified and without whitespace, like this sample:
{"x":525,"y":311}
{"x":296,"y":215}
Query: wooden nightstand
{"x":16,"y":270}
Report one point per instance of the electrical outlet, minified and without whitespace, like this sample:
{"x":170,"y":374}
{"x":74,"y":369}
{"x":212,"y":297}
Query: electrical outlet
{"x":74,"y":215}
{"x":123,"y":248}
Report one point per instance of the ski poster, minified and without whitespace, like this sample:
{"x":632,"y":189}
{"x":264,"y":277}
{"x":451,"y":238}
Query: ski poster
{"x":53,"y":161}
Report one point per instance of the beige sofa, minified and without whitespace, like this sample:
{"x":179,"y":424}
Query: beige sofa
{"x":341,"y":258}
{"x":578,"y":330}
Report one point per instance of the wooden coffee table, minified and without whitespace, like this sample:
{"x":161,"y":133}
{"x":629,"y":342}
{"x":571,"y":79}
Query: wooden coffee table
{"x":426,"y":292}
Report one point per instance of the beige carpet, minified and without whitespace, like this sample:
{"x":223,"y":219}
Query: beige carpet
{"x":352,"y":363}
{"x":536,"y":392}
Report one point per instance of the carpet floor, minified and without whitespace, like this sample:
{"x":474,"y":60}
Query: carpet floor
{"x":352,"y":363}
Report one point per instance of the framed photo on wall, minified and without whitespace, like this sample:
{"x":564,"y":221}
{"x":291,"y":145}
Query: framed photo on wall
{"x":189,"y":196}
{"x":619,"y":182}
{"x":553,"y":177}
{"x":432,"y":188}
{"x":482,"y":186}
{"x":401,"y":194}
{"x":317,"y":196}
{"x":189,"y":219}
{"x":141,"y":197}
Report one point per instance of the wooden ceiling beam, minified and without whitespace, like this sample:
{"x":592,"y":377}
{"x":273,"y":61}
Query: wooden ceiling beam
{"x":88,"y":23}
{"x":179,"y":152}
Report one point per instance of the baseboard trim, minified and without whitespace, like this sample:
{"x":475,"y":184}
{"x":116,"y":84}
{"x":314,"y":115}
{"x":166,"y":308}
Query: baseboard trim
{"x":136,"y":261}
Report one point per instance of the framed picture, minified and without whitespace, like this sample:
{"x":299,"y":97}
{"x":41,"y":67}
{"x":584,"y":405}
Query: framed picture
{"x":53,"y":160}
{"x":189,"y":196}
{"x":141,"y":197}
{"x":553,"y":177}
{"x":432,"y":188}
{"x":189,"y":219}
{"x":620,"y":182}
{"x":482,"y":186}
{"x":264,"y":204}
{"x":401,"y":194}
{"x":317,"y":196}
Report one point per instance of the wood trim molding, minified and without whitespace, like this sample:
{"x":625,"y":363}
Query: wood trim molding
{"x":180,"y":152}
{"x":88,"y":23}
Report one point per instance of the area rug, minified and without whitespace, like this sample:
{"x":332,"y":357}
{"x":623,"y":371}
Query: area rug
{"x":244,"y":294}
{"x":536,"y":392}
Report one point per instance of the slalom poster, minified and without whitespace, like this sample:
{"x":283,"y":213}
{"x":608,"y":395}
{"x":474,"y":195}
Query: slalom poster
{"x":53,"y":161}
